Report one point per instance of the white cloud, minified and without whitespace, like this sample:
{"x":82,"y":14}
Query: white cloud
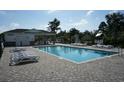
{"x":14,"y":25}
{"x":43,"y":26}
{"x":97,"y":18}
{"x":89,"y":12}
{"x":51,"y":11}
{"x":113,"y":11}
{"x":79,"y":25}
{"x":2,"y":12}
{"x":70,"y":20}
{"x":9,"y":27}
{"x":4,"y":28}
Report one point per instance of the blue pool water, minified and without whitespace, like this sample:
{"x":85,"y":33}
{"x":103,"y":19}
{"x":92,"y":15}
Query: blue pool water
{"x":77,"y":55}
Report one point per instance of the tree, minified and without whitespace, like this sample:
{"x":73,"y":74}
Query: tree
{"x":1,"y":41}
{"x":63,"y":36}
{"x":102,"y":26}
{"x":54,"y":26}
{"x":115,"y":27}
{"x":72,"y":32}
{"x":102,"y":29}
{"x":87,"y":37}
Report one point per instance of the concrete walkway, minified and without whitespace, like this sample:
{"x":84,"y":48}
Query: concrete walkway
{"x":52,"y":69}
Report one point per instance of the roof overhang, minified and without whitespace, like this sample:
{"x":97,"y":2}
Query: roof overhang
{"x":98,"y":34}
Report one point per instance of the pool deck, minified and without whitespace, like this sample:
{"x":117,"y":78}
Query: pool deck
{"x":52,"y":69}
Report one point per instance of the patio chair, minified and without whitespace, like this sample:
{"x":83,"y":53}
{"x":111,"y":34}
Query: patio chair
{"x":17,"y":50}
{"x":23,"y":57}
{"x":107,"y":46}
{"x":94,"y":46}
{"x":99,"y":46}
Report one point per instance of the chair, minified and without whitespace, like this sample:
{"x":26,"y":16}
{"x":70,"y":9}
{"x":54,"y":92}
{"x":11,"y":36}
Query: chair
{"x":108,"y":46}
{"x":17,"y":50}
{"x":23,"y":57}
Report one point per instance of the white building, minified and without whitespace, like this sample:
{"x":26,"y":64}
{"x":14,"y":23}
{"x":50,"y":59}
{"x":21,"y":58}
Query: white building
{"x":25,"y":37}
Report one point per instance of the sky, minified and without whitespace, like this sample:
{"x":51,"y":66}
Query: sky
{"x":39,"y":19}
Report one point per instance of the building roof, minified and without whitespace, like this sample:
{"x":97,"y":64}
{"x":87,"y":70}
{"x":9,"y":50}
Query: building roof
{"x":98,"y":34}
{"x":27,"y":31}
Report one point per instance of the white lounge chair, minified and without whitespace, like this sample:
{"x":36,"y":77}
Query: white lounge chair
{"x":17,"y":50}
{"x":103,"y":46}
{"x":107,"y":46}
{"x":94,"y":46}
{"x":79,"y":44}
{"x":23,"y":57}
{"x":99,"y":46}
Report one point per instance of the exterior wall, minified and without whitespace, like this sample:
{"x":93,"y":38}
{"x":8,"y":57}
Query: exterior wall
{"x":24,"y":38}
{"x":19,"y":38}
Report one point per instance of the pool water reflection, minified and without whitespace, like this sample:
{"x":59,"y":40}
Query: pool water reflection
{"x":77,"y":55}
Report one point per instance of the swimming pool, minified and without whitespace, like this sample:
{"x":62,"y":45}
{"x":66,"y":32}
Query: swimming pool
{"x":74,"y":54}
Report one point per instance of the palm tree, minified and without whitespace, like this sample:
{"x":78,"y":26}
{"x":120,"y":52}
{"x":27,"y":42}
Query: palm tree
{"x":54,"y":26}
